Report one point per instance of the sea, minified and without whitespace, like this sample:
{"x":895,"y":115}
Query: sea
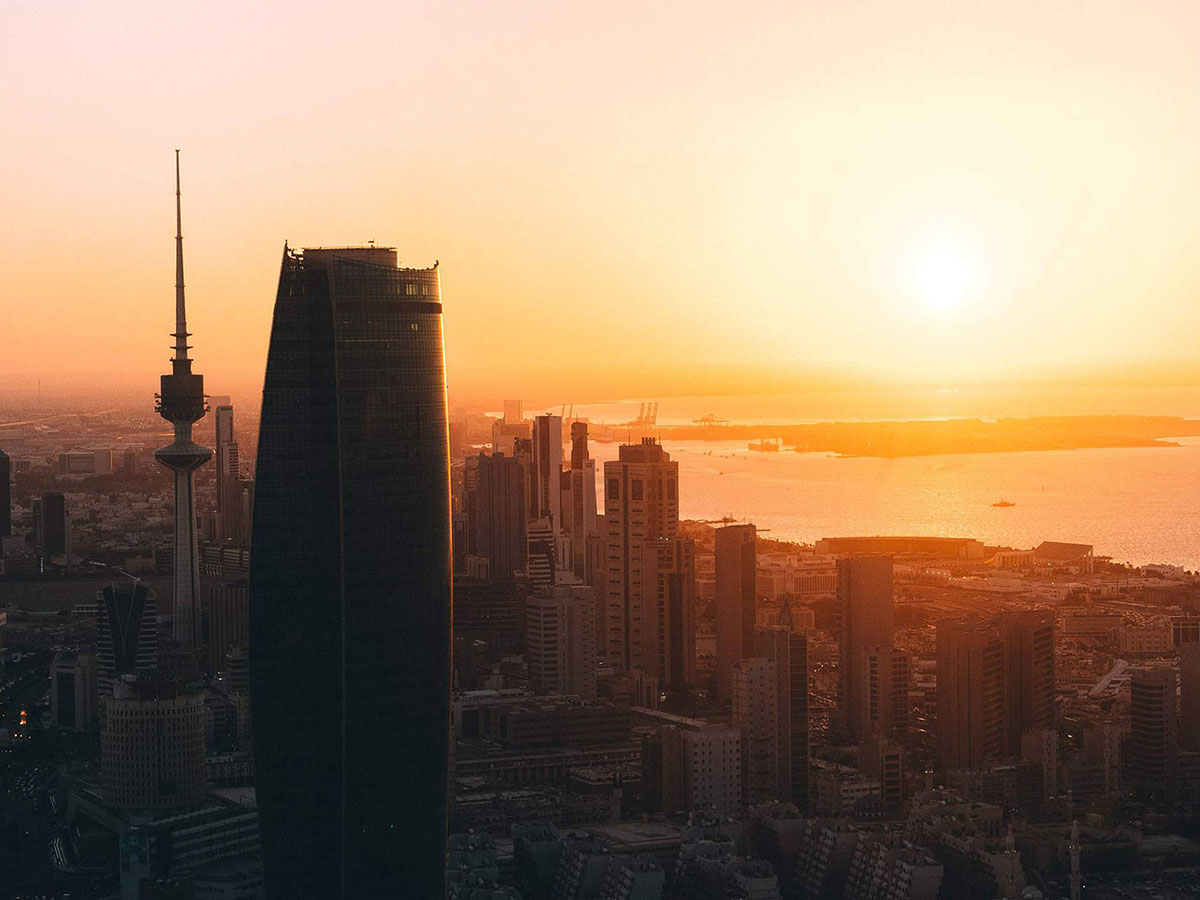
{"x":1137,"y":505}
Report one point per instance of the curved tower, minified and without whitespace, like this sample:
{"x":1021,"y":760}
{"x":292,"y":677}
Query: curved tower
{"x":350,"y":582}
{"x":181,"y":402}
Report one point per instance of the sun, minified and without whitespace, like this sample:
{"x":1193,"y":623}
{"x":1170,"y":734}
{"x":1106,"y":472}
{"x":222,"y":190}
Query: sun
{"x":943,"y":276}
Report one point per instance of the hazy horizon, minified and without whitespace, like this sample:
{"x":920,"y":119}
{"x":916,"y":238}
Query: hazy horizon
{"x":693,"y":199}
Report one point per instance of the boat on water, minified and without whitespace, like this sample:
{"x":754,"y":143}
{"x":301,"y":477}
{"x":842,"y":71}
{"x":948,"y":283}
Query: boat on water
{"x":766,"y":445}
{"x":1003,"y":503}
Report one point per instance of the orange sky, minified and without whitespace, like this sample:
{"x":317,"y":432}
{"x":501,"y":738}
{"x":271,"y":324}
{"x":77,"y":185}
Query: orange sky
{"x":626,"y":198}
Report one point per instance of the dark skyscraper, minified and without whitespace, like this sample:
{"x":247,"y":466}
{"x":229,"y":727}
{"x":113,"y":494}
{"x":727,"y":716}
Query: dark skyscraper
{"x":50,"y":525}
{"x":496,"y":515}
{"x":5,"y":495}
{"x":736,"y":599}
{"x":181,"y":402}
{"x":865,"y":654}
{"x":1029,"y":681}
{"x":970,"y":693}
{"x":350,"y":581}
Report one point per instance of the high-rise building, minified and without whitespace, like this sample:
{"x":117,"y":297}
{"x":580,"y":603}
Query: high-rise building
{"x":970,"y":694}
{"x":1189,"y":695}
{"x":152,"y":746}
{"x":232,"y":526}
{"x":736,"y":599}
{"x":126,"y":619}
{"x":547,"y":469}
{"x":712,"y":769}
{"x":50,"y":525}
{"x":641,"y":503}
{"x":228,"y":622}
{"x":74,"y":690}
{"x":788,"y":650}
{"x":579,"y":516}
{"x":1029,"y":679}
{"x":560,"y":640}
{"x":1152,"y":749}
{"x":863,"y":612}
{"x":5,"y":495}
{"x":662,"y":630}
{"x":540,"y":559}
{"x":513,"y":412}
{"x":496,"y":520}
{"x":350,"y":581}
{"x":181,"y":402}
{"x":755,"y":716}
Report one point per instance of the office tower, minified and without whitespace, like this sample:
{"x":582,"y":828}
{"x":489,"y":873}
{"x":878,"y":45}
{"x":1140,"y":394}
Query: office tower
{"x":228,"y":622}
{"x":496,"y":518}
{"x":712,"y":769}
{"x":560,"y":640}
{"x":863,"y":612}
{"x":970,"y":694}
{"x":5,"y":495}
{"x":736,"y":599}
{"x":579,"y":518}
{"x":1152,"y":748}
{"x":753,"y":695}
{"x":350,"y":581}
{"x":547,"y":469}
{"x":662,"y":630}
{"x":50,"y":526}
{"x":1029,"y":682}
{"x":641,"y":503}
{"x":788,"y":650}
{"x":1189,"y":695}
{"x":507,"y":432}
{"x":126,"y":633}
{"x":229,"y":477}
{"x":513,"y":412}
{"x":152,"y":746}
{"x":579,"y":444}
{"x":901,"y":679}
{"x":181,"y":402}
{"x":1040,"y":747}
{"x":74,"y":690}
{"x":540,"y":563}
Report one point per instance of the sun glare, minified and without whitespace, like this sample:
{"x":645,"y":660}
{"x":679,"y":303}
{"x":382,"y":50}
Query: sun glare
{"x":943,"y":276}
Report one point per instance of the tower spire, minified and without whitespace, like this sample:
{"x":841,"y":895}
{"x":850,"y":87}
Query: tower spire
{"x":181,"y":365}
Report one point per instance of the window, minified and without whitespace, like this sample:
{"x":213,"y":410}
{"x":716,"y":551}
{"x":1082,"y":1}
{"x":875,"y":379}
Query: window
{"x":637,"y":489}
{"x":670,"y":488}
{"x":614,"y":489}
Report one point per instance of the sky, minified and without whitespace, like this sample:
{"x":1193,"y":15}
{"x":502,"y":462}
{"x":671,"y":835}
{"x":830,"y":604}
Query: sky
{"x":625,"y":199}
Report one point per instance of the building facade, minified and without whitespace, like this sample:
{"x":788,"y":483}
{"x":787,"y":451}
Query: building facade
{"x":350,"y":581}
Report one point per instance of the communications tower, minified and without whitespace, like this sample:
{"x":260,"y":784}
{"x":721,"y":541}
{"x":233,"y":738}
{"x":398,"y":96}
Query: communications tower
{"x":181,"y":402}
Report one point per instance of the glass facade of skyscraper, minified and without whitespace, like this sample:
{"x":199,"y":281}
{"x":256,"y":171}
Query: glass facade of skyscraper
{"x":350,"y":581}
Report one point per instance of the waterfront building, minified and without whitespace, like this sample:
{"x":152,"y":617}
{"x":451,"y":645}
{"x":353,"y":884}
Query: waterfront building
{"x":350,"y":581}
